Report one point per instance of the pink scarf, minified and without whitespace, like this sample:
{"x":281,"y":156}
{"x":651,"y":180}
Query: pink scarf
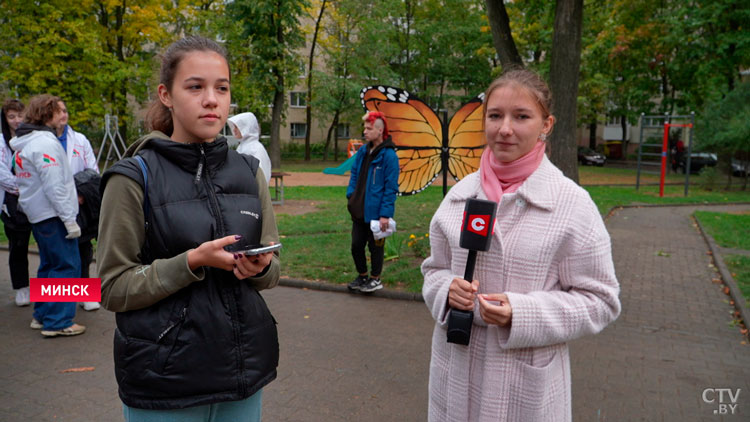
{"x":499,"y":178}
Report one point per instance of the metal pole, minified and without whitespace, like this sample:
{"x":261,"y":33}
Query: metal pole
{"x":690,"y":143}
{"x":663,"y":159}
{"x":640,"y":146}
{"x":444,"y":157}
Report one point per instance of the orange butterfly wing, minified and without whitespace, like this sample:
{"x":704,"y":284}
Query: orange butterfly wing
{"x":416,"y":131}
{"x":466,"y":138}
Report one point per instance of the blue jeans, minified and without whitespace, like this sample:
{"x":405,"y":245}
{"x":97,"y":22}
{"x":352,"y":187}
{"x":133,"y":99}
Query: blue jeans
{"x":58,"y":258}
{"x":248,"y":410}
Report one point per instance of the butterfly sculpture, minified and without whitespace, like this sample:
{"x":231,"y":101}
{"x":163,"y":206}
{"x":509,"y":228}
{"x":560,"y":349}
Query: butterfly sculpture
{"x":424,"y":144}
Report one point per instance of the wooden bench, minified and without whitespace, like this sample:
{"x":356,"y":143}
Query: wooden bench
{"x":278,"y":186}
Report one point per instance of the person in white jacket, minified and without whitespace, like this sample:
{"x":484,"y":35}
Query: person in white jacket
{"x":16,"y":225}
{"x":81,"y":157}
{"x":48,"y":196}
{"x":245,"y":128}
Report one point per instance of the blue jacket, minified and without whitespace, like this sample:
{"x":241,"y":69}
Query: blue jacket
{"x":382,"y":182}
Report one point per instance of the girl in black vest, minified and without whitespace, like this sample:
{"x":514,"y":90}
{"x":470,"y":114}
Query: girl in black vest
{"x":194,"y":339}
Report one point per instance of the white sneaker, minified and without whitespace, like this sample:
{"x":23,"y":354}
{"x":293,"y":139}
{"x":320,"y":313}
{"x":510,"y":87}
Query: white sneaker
{"x":89,"y":306}
{"x":23,"y":296}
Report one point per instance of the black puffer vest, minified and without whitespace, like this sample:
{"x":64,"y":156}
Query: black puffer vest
{"x":215,"y":340}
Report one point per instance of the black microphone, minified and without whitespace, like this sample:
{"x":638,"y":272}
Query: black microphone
{"x":476,"y":235}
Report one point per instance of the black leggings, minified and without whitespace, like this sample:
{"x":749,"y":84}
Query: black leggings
{"x":361,"y":235}
{"x":86,"y":251}
{"x":18,"y":259}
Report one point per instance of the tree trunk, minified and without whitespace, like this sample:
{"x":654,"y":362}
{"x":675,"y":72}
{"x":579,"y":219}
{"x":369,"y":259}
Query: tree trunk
{"x":336,"y":137}
{"x":502,"y":38}
{"x":592,"y":135}
{"x":308,"y":105}
{"x":564,"y":72}
{"x":328,"y":140}
{"x":278,"y":105}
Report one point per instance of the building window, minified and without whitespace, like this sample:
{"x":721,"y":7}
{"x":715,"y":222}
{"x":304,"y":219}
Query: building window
{"x":299,"y":130}
{"x":614,"y":121}
{"x":342,"y":131}
{"x":297,"y":99}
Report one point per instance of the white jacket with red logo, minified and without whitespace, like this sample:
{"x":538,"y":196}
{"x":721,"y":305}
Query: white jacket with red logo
{"x":45,"y":182}
{"x":80,"y":154}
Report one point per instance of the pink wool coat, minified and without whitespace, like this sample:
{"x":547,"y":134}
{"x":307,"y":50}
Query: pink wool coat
{"x":551,"y":255}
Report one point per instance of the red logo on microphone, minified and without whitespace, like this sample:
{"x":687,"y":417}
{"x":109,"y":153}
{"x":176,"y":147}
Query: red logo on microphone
{"x":478,"y":224}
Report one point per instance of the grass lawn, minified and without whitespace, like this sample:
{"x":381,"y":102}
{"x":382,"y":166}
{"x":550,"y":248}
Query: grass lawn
{"x":729,"y":230}
{"x":317,"y":244}
{"x":739,"y":265}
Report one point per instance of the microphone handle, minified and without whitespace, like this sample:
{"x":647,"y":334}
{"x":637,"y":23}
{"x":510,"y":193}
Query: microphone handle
{"x":470,"y":261}
{"x":464,"y":318}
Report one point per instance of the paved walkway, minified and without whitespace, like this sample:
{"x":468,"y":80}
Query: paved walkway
{"x":353,"y":358}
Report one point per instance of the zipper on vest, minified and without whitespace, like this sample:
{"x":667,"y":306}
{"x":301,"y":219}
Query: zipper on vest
{"x":172,"y":325}
{"x":238,"y":341}
{"x":210,"y":190}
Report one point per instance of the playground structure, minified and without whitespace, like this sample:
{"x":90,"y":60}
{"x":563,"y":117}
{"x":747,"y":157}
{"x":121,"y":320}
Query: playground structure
{"x":664,"y":122}
{"x":111,"y":136}
{"x":351,"y":149}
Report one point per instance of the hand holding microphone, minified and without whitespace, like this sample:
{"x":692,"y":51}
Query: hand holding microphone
{"x":476,"y":235}
{"x":462,"y":293}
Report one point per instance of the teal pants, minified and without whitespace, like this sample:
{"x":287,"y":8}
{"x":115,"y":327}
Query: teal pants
{"x":248,"y":410}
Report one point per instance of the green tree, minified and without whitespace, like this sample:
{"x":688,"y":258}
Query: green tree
{"x":263,"y":36}
{"x":337,"y":89}
{"x":129,"y":33}
{"x":563,"y":80}
{"x":449,"y":35}
{"x":723,"y":127}
{"x":565,"y":52}
{"x":502,"y":37}
{"x":315,"y":12}
{"x":48,"y":49}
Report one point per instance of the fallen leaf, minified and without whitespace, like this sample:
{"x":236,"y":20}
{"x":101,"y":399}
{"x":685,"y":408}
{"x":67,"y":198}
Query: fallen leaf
{"x":708,"y":253}
{"x":726,"y":290}
{"x":81,"y":369}
{"x":743,"y":331}
{"x":716,"y":280}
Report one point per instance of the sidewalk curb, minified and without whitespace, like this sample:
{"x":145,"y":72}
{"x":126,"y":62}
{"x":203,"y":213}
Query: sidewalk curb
{"x":734,"y":291}
{"x":340,"y":288}
{"x":315,"y":285}
{"x":616,"y":208}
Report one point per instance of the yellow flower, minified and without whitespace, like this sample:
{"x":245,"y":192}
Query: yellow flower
{"x":412,"y":236}
{"x":426,"y":235}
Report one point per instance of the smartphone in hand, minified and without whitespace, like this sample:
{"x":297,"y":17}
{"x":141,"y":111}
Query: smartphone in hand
{"x":261,"y":249}
{"x":251,"y":250}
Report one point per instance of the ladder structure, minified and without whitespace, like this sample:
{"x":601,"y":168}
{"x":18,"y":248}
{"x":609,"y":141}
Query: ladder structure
{"x":115,"y":141}
{"x":660,"y":149}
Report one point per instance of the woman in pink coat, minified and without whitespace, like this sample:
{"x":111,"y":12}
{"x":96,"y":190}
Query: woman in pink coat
{"x":547,"y":278}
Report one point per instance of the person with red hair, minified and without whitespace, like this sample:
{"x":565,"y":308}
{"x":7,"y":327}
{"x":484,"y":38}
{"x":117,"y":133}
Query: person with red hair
{"x":372,"y":190}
